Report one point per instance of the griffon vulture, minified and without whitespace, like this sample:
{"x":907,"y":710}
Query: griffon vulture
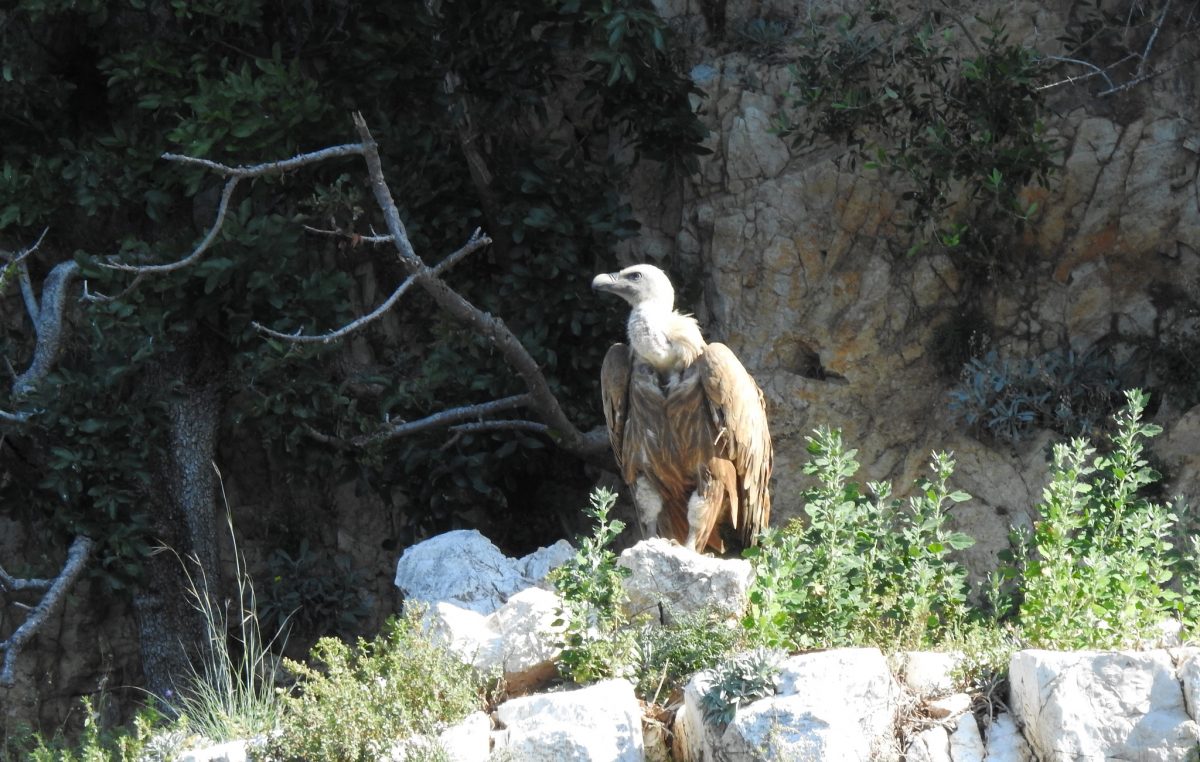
{"x":687,"y":422}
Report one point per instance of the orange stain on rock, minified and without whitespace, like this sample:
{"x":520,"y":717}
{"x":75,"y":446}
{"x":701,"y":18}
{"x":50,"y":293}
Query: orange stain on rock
{"x":1088,"y":249}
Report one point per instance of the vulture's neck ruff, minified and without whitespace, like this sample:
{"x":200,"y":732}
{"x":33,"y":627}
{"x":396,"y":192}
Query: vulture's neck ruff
{"x":666,"y":340}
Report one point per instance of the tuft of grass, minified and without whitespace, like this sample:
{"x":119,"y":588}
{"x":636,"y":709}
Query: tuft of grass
{"x":232,"y":693}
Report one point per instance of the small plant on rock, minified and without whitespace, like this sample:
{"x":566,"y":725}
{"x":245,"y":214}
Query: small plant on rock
{"x":739,"y":680}
{"x":865,"y":569}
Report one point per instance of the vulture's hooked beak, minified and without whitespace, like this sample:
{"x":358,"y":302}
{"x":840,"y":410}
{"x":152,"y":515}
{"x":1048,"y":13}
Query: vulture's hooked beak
{"x":605,"y":282}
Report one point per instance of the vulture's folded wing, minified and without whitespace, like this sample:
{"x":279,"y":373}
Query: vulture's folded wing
{"x":736,"y":404}
{"x":614,"y":392}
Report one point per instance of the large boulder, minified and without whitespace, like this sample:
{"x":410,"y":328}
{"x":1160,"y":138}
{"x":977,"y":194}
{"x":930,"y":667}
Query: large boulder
{"x":520,"y":640}
{"x":469,"y":740}
{"x":1102,"y":705}
{"x":681,"y":581}
{"x":464,"y":568}
{"x":831,"y":705}
{"x":599,"y":723}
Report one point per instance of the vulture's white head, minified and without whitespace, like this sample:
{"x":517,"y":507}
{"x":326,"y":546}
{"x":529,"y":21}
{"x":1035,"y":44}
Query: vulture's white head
{"x":643,"y":286}
{"x":659,"y":335}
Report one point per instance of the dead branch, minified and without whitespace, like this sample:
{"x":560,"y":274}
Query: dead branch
{"x":77,"y":557}
{"x":542,"y":399}
{"x":444,"y":418}
{"x":477,"y":241}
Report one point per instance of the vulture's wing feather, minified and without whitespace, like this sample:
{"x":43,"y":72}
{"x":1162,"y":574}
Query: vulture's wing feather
{"x":736,"y":404}
{"x":614,"y":391}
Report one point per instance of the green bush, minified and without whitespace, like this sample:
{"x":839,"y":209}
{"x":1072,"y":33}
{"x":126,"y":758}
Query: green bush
{"x":863,"y":569}
{"x":954,"y":117}
{"x":595,"y":641}
{"x":1098,"y":568}
{"x":356,"y":701}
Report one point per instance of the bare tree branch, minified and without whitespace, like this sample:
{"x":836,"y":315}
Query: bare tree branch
{"x":477,"y":241}
{"x":444,"y":418}
{"x":205,"y":243}
{"x":500,"y":425}
{"x":16,"y":262}
{"x":1141,"y":69}
{"x":355,"y":238}
{"x":1096,"y":71}
{"x":542,"y":399}
{"x":48,"y":327}
{"x":77,"y":557}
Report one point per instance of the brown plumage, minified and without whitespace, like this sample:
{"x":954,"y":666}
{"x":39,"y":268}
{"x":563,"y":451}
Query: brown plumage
{"x":687,"y":422}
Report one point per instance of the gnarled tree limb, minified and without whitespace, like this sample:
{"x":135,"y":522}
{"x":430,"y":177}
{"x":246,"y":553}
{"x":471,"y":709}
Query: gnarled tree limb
{"x":77,"y":557}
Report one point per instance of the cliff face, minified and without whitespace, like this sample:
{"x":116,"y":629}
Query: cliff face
{"x":799,"y":275}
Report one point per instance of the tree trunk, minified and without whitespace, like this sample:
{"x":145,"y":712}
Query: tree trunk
{"x":169,"y":625}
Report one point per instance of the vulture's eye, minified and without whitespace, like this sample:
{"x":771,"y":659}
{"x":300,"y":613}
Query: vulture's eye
{"x":635,"y":276}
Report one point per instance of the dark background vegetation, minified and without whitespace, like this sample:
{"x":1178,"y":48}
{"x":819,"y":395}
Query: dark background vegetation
{"x":522,"y":118}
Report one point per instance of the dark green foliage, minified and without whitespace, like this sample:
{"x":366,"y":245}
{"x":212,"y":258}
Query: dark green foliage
{"x":1007,"y":399}
{"x":864,"y":569}
{"x":916,"y":95}
{"x":310,"y":593}
{"x":104,"y":89}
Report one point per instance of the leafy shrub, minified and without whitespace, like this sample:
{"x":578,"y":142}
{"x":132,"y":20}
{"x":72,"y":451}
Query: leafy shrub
{"x":896,"y":86}
{"x":1097,"y":570}
{"x":740,"y":679}
{"x":864,"y":569}
{"x":594,"y":643}
{"x":1064,"y":391}
{"x":311,"y":593}
{"x":665,"y":656}
{"x":363,"y":698}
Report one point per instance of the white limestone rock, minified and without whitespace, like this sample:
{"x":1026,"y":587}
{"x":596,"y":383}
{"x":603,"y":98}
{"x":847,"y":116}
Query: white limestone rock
{"x":1101,"y":705}
{"x":537,"y":565}
{"x":1005,"y":742}
{"x":519,"y":640}
{"x":966,"y":744}
{"x":930,"y":745}
{"x":831,"y":705}
{"x":468,"y":740}
{"x":954,"y":705}
{"x":599,"y":723}
{"x":927,"y":673}
{"x":230,"y":751}
{"x":682,"y":580}
{"x":1188,"y":661}
{"x":464,"y":568}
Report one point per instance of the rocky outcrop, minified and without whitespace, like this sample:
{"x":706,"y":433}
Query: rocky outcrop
{"x":464,"y":568}
{"x":1107,"y":705}
{"x":600,"y":722}
{"x":831,"y":705}
{"x":665,"y":576}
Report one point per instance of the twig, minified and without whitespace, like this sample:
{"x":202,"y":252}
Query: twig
{"x":444,"y":418}
{"x":1096,"y":71}
{"x":77,"y":557}
{"x":477,"y":241}
{"x":269,"y":167}
{"x":500,"y":425}
{"x":354,"y":237}
{"x":1138,"y":80}
{"x":197,"y":252}
{"x":1153,"y":36}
